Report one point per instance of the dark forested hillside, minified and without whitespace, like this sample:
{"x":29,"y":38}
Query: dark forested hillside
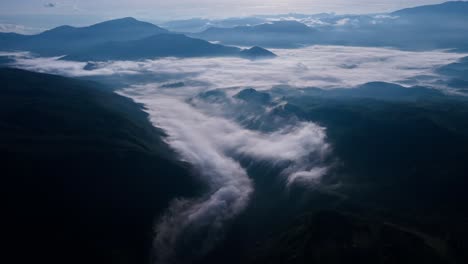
{"x":84,"y":172}
{"x":394,"y":191}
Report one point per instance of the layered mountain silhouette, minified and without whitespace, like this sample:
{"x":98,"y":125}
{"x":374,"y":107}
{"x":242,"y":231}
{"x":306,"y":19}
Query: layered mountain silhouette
{"x":120,"y":39}
{"x":454,"y":8}
{"x":457,"y":74}
{"x":378,"y":91}
{"x":66,"y":39}
{"x":273,"y":34}
{"x":256,"y":52}
{"x":419,"y":28}
{"x":163,"y":45}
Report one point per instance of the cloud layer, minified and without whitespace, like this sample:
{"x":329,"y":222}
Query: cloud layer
{"x":317,"y":66}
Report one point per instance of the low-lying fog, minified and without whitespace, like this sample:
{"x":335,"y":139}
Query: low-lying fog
{"x":319,"y":66}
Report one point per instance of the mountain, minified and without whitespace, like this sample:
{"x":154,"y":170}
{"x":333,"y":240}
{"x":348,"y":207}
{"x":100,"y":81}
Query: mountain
{"x":377,"y":91}
{"x":457,"y":74}
{"x":441,"y":26}
{"x":256,"y":52}
{"x":333,"y":237}
{"x":272,"y":27}
{"x":120,"y":39}
{"x":66,"y":39}
{"x":253,"y":96}
{"x":163,"y":45}
{"x":8,"y":40}
{"x":84,"y":172}
{"x":274,"y":34}
{"x":392,"y":193}
{"x":452,"y":8}
{"x":457,"y":69}
{"x":195,"y":25}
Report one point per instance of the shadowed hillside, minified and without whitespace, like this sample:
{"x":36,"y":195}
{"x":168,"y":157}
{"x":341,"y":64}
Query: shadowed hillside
{"x":84,"y":172}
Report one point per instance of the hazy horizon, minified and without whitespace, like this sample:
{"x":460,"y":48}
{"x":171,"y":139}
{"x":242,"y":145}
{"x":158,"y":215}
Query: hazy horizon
{"x":26,"y":16}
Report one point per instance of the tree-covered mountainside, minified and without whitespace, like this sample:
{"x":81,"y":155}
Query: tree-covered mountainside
{"x":394,"y":190}
{"x":84,"y":172}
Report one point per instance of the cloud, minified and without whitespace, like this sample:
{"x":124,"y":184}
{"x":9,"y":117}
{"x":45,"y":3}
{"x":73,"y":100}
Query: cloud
{"x":20,"y":29}
{"x":230,"y":187}
{"x":317,"y":66}
{"x":343,"y":21}
{"x":213,"y":144}
{"x":50,"y":5}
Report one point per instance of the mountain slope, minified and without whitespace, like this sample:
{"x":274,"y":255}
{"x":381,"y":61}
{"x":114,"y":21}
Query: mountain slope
{"x":257,"y":53}
{"x":396,"y":177}
{"x":275,"y":34}
{"x":162,"y":45}
{"x":453,"y":8}
{"x":84,"y":172}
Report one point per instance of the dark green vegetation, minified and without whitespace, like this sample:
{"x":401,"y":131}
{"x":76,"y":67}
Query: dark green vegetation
{"x":84,"y":172}
{"x":332,"y":237}
{"x":395,"y":192}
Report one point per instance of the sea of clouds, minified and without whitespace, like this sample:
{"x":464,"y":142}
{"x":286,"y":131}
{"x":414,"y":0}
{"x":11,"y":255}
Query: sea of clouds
{"x":316,"y":66}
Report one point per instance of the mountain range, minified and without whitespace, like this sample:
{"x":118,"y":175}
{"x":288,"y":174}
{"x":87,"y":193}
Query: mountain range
{"x":119,"y":39}
{"x":441,"y":26}
{"x":288,"y":34}
{"x":127,"y":38}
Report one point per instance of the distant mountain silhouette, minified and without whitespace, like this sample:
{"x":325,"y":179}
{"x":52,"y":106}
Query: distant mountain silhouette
{"x":257,"y":53}
{"x":382,"y":91}
{"x":66,"y":39}
{"x":441,"y":26}
{"x":120,"y":39}
{"x":195,"y":25}
{"x":274,"y":34}
{"x":457,"y":74}
{"x":273,"y":27}
{"x":163,"y":45}
{"x":454,"y":8}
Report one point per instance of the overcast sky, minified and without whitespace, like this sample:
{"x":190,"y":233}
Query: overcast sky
{"x":169,"y":9}
{"x":33,"y":16}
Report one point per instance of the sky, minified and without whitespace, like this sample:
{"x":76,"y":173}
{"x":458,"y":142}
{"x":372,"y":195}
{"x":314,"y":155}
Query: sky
{"x":176,"y":9}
